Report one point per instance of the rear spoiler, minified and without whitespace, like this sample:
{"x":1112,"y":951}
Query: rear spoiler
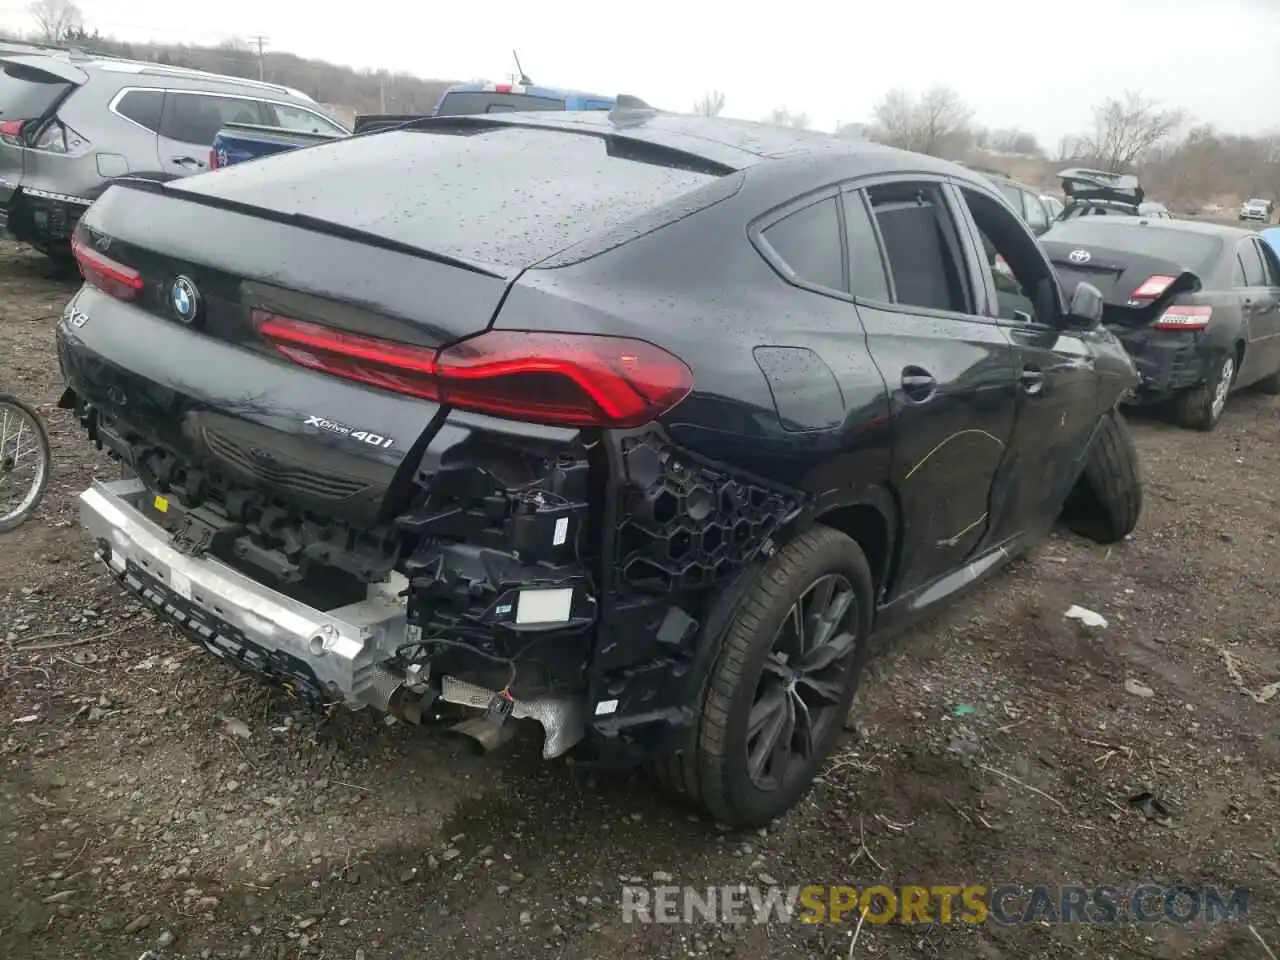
{"x":371,"y":122}
{"x":22,"y":65}
{"x":1080,"y":183}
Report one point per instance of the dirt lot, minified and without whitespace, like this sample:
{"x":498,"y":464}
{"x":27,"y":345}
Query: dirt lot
{"x":158,"y":801}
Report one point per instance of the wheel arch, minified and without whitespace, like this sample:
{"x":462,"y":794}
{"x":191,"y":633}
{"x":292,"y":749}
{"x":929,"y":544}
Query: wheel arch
{"x":871,"y":520}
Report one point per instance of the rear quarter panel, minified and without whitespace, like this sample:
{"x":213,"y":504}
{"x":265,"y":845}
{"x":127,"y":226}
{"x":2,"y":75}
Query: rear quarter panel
{"x":700,"y":289}
{"x":118,"y":147}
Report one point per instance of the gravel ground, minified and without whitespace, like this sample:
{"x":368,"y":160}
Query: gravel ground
{"x":151,"y":799}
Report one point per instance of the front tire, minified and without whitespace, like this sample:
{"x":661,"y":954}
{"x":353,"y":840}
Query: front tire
{"x":1200,"y":408}
{"x":782,"y":683}
{"x":1107,"y":500}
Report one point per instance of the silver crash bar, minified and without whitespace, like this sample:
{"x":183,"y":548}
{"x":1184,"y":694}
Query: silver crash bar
{"x":345,"y":648}
{"x":342,"y":646}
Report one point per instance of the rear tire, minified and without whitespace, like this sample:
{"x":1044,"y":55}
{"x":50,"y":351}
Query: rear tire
{"x":1106,"y":502}
{"x":765,"y":669}
{"x":1200,"y":408}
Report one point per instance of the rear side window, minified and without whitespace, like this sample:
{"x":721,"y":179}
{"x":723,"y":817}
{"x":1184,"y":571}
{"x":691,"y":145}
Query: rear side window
{"x":197,"y":117}
{"x":470,"y":102}
{"x":866,"y":268}
{"x":28,"y":94}
{"x":1270,"y":277}
{"x":808,"y":241}
{"x":299,"y":120}
{"x":1010,"y":193}
{"x":919,"y":236}
{"x":1033,"y":211}
{"x":142,"y":107}
{"x":1251,"y":270}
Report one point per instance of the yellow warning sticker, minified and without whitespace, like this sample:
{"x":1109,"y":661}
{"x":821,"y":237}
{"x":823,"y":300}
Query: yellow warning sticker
{"x":162,"y":504}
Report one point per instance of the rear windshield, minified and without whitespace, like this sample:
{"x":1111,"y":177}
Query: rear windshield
{"x":27,"y":94}
{"x":1195,"y":251}
{"x":467,"y":102}
{"x":505,"y":196}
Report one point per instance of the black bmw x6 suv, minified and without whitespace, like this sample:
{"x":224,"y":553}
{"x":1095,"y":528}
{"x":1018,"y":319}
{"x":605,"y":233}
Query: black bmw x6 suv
{"x":633,"y":424}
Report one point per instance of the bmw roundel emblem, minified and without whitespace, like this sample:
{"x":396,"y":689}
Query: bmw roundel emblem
{"x":185,"y":299}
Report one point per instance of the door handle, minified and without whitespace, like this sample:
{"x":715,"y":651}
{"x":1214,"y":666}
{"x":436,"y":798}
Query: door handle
{"x":1032,"y":379}
{"x":185,"y":161}
{"x":918,"y":384}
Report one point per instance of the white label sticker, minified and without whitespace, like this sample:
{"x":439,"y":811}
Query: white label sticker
{"x":562,"y":531}
{"x":544,"y":606}
{"x":606,"y":707}
{"x":180,"y":584}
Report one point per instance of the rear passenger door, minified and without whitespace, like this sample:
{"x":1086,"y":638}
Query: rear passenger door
{"x":1260,"y":300}
{"x":189,"y":122}
{"x":948,"y":370}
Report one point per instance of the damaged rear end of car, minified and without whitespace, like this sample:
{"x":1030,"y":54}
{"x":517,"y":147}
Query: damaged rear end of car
{"x":381,"y":452}
{"x":1153,"y":286}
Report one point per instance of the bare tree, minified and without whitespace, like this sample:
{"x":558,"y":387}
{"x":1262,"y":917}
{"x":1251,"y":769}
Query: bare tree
{"x":56,"y":19}
{"x":782,"y":117}
{"x":938,"y":123}
{"x":1009,"y":141}
{"x":710,"y":104}
{"x":1125,"y":128}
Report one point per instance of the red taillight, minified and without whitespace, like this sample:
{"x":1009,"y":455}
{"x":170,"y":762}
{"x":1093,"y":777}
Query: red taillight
{"x":1184,"y":318}
{"x":379,"y":363}
{"x":572,"y":379}
{"x":502,"y":88}
{"x":11,"y":128}
{"x":121,"y":282}
{"x":213,"y":159}
{"x":1153,"y":287}
{"x":579,"y":380}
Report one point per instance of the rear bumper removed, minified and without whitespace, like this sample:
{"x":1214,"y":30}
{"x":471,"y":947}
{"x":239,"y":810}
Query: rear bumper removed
{"x":322,"y":656}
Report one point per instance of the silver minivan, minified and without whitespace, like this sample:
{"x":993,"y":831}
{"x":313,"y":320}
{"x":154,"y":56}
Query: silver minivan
{"x":71,"y":123}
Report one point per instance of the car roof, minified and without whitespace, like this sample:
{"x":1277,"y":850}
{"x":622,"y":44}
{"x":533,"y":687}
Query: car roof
{"x":738,"y":144}
{"x":143,"y":73}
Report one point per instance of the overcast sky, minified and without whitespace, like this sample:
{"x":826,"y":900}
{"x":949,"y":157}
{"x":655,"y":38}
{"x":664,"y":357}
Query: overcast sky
{"x":1032,"y":64}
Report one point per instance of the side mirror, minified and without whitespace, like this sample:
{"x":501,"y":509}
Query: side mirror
{"x":1086,"y":306}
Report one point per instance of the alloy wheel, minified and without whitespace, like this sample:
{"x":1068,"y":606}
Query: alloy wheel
{"x":800,"y":689}
{"x":1223,"y":386}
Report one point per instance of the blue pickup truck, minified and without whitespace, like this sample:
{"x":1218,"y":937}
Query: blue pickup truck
{"x":238,"y":142}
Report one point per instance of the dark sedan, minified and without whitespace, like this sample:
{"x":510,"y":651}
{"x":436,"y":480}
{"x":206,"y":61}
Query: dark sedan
{"x":632,"y":424}
{"x":1197,"y":305}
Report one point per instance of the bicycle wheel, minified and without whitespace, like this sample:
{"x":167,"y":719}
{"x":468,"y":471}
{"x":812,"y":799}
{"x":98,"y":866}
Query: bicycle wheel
{"x":25,"y":461}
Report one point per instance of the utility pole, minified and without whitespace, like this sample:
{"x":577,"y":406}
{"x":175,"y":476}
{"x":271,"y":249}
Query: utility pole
{"x":382,"y":92}
{"x":259,"y":41}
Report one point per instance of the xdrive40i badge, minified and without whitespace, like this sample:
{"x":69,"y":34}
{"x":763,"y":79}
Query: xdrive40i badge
{"x":344,"y":430}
